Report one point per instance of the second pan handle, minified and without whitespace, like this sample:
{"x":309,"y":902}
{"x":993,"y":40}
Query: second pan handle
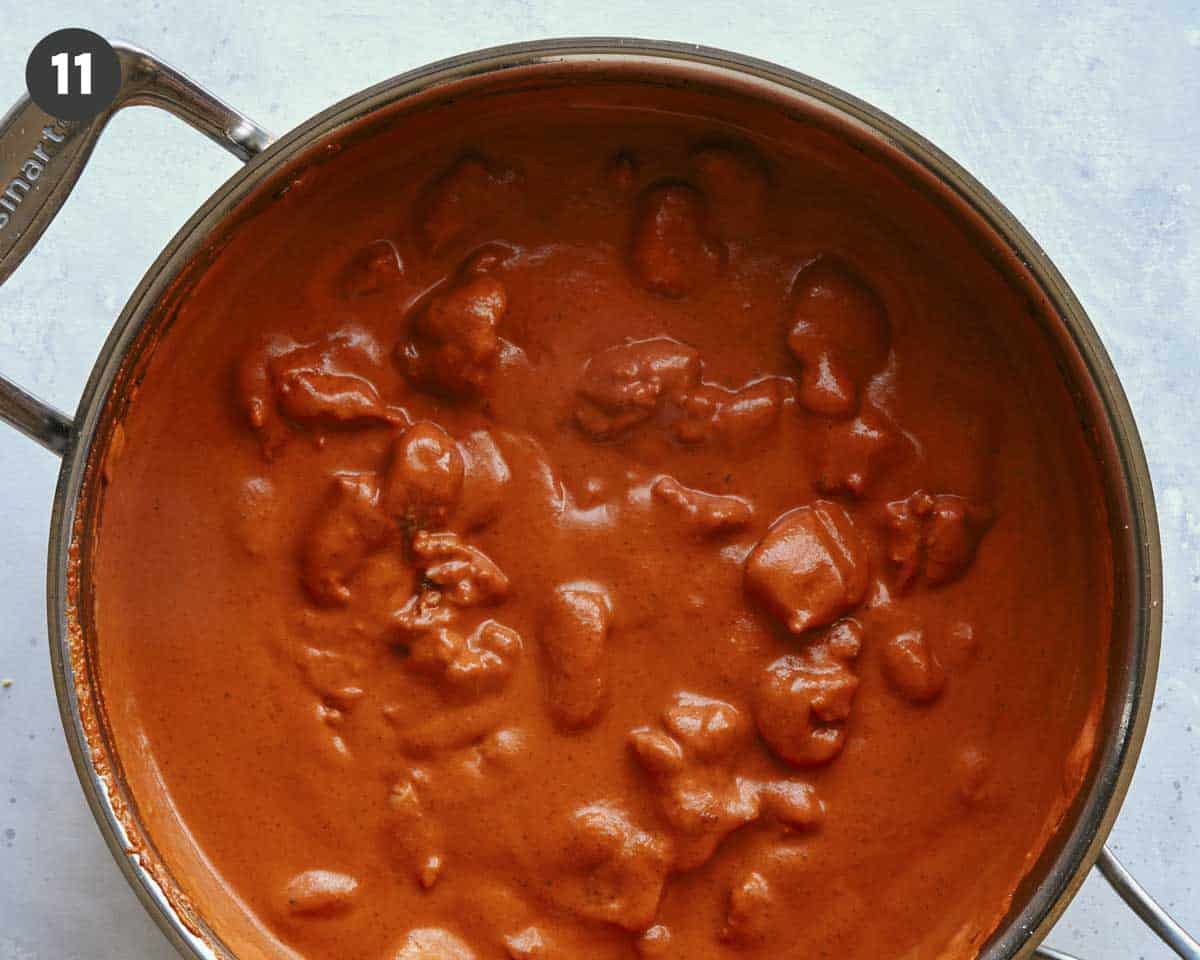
{"x":1144,"y":905}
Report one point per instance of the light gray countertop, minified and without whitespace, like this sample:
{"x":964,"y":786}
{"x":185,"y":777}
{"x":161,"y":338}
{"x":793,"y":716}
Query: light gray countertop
{"x":1084,"y":118}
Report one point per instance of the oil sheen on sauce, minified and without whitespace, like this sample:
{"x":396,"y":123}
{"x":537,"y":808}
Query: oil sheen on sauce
{"x":587,"y":530}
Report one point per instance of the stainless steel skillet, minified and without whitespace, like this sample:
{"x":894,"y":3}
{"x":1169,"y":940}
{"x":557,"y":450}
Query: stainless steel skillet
{"x":30,"y":195}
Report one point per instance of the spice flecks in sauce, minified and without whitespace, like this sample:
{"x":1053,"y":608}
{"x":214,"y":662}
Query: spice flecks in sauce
{"x":542,"y":565}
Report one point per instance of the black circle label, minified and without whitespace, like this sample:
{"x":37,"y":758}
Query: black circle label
{"x":73,"y":74}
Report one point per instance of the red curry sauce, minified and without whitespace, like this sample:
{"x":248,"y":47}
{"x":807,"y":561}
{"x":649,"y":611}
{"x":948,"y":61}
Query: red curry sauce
{"x":584,"y":529}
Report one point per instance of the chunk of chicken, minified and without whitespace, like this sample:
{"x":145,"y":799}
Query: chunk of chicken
{"x":672,"y":252}
{"x":803,"y":699}
{"x":933,"y":536}
{"x":839,"y":334}
{"x":615,"y":869}
{"x":703,"y":513}
{"x":455,"y":345}
{"x":627,"y":384}
{"x":425,"y":477}
{"x":574,"y":640}
{"x":470,"y":193}
{"x":810,"y":568}
{"x":349,"y":525}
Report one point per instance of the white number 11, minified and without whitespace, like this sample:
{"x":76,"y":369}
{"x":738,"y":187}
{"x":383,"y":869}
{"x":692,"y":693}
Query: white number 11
{"x":61,"y":63}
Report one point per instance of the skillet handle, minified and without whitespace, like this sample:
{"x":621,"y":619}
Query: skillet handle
{"x":41,"y":158}
{"x":1141,"y":903}
{"x":1146,"y":907}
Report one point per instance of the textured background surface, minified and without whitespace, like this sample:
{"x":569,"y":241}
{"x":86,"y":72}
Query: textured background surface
{"x":1083,"y":118}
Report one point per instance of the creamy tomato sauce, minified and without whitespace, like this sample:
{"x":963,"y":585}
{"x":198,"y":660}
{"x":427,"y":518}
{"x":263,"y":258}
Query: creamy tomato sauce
{"x":598,"y":525}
